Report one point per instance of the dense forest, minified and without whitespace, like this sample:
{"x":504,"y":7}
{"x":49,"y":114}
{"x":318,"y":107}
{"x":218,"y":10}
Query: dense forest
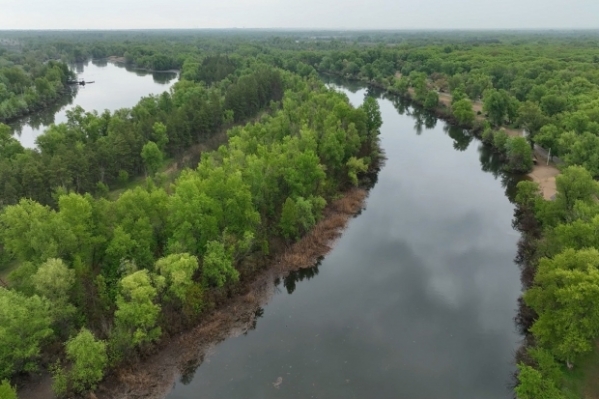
{"x":100,"y":280}
{"x":109,"y":278}
{"x":29,"y":81}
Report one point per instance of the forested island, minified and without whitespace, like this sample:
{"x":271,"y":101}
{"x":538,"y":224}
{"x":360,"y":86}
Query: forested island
{"x":109,"y":246}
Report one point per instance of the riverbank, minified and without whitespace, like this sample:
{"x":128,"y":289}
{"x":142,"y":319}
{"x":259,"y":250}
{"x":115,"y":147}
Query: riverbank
{"x":154,"y":376}
{"x":64,"y":91}
{"x":543,"y":173}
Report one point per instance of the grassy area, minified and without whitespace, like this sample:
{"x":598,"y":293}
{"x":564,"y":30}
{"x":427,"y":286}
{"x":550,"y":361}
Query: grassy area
{"x":583,"y":380}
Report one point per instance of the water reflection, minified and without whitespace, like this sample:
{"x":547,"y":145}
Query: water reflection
{"x":415,"y":301}
{"x":100,"y":62}
{"x":115,"y":87}
{"x":303,"y":274}
{"x":461,"y":138}
{"x":46,"y":116}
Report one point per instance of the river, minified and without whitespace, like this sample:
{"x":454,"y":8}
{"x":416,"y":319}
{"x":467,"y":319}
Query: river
{"x":114,"y":87}
{"x":417,"y":298}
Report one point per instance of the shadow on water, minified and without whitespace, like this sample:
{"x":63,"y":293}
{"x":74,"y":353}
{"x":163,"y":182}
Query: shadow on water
{"x":160,"y":77}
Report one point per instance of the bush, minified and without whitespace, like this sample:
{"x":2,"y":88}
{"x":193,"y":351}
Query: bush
{"x":519,"y":154}
{"x":432,"y":100}
{"x":499,"y":139}
{"x":488,"y":136}
{"x":89,"y":360}
{"x":462,"y":111}
{"x":6,"y":391}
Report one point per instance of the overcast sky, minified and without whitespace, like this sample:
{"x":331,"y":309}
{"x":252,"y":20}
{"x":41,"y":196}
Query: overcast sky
{"x":327,"y":14}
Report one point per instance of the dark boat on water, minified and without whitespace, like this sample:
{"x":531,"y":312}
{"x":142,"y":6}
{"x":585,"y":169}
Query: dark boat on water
{"x":81,"y":83}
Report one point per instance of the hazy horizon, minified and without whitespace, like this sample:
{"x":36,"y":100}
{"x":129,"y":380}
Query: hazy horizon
{"x":304,"y":15}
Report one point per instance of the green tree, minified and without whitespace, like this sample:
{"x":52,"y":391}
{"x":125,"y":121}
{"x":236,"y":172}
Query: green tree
{"x":354,"y":167}
{"x":495,"y":105}
{"x":374,"y":120}
{"x":402,"y":85}
{"x":178,"y":270}
{"x":574,"y":184}
{"x":462,"y":111}
{"x":532,"y":119}
{"x":6,"y":391}
{"x":217,"y":267}
{"x":159,"y":135}
{"x":54,"y":281}
{"x":137,"y":314}
{"x":89,"y":360}
{"x":152,"y":157}
{"x":288,"y":221}
{"x":519,"y":154}
{"x":565,"y":293}
{"x":432,"y":100}
{"x":24,"y":328}
{"x":533,"y":385}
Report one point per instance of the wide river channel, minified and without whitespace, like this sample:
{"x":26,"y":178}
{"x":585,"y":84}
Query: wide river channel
{"x":417,"y":298}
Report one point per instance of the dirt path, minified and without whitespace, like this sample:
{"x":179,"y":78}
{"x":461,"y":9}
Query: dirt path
{"x":544,"y":176}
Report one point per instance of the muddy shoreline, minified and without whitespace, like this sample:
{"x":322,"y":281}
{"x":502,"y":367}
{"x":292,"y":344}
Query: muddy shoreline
{"x":155,"y":376}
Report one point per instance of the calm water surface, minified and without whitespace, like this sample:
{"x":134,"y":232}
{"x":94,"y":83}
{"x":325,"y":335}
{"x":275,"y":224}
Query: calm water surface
{"x":115,"y":87}
{"x":415,"y":301}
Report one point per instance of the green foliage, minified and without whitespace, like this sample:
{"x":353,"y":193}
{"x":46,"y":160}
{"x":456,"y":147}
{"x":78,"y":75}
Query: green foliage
{"x":7,"y":391}
{"x":24,"y":328}
{"x":123,"y":176}
{"x":528,"y":193}
{"x":289,"y":218}
{"x":531,"y":118}
{"x":89,"y":359}
{"x":60,"y":383}
{"x":402,"y":85}
{"x":533,"y":385}
{"x":432,"y":100}
{"x":159,"y":135}
{"x":152,"y":157}
{"x":519,"y":155}
{"x":137,"y":314}
{"x":573,"y":185}
{"x":500,"y":139}
{"x":178,"y":270}
{"x":462,"y":111}
{"x":374,"y":120}
{"x":217,"y":267}
{"x":566,"y":289}
{"x":355,"y":166}
{"x":54,"y":280}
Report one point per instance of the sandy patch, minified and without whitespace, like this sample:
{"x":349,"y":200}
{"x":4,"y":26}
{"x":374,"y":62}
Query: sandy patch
{"x":545,"y":175}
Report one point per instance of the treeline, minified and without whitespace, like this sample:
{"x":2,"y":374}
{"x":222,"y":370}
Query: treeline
{"x":546,"y":87}
{"x":110,"y":278}
{"x":93,"y":153}
{"x":559,"y":254}
{"x":28,"y":84}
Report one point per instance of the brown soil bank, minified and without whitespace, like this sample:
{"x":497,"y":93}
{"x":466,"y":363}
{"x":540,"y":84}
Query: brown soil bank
{"x":155,"y":376}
